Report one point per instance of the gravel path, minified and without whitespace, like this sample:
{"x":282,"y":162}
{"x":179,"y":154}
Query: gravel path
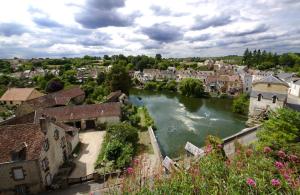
{"x":91,"y":145}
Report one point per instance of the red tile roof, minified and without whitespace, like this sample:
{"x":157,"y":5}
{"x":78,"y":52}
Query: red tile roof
{"x":61,"y":97}
{"x":12,"y":136}
{"x":88,"y":111}
{"x":17,"y":94}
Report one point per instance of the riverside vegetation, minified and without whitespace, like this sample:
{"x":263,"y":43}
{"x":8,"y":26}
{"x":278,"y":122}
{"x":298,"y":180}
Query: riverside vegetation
{"x":269,"y":166}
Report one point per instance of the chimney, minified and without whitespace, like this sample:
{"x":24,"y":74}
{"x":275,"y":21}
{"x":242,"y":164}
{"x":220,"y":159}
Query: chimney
{"x":43,"y":125}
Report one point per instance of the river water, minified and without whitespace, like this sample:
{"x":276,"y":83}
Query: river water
{"x":180,"y":119}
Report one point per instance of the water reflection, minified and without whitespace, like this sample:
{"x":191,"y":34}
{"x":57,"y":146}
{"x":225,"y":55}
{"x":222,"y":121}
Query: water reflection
{"x":180,"y":119}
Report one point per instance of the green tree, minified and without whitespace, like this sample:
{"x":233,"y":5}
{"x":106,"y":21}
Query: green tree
{"x":123,"y":132}
{"x":282,"y":128}
{"x":191,"y":87}
{"x":241,"y":104}
{"x":118,"y":79}
{"x":54,"y":85}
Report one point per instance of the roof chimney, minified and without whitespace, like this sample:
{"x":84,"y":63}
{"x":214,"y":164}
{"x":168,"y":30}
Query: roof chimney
{"x":43,"y":125}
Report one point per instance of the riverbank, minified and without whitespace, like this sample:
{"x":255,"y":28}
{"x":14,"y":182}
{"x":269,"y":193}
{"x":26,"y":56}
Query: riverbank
{"x":180,"y":119}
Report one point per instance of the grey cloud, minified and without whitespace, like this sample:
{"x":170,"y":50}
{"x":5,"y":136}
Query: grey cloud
{"x":46,"y":22}
{"x":258,"y":29}
{"x":103,"y":13}
{"x":163,"y":33}
{"x":162,"y":11}
{"x":98,"y":40}
{"x":215,"y":21}
{"x":203,"y":37}
{"x":10,"y":29}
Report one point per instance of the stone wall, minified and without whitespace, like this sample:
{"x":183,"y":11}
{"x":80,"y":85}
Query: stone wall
{"x":31,"y":172}
{"x":244,"y":137}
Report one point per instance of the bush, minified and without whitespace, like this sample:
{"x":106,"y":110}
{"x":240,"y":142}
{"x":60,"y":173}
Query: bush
{"x":54,"y":85}
{"x":191,"y":87}
{"x":119,"y":145}
{"x":241,"y":104}
{"x":282,"y":129}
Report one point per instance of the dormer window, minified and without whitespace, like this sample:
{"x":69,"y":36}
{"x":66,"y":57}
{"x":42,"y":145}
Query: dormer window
{"x":274,"y":98}
{"x":19,"y":153}
{"x":46,"y":145}
{"x":259,"y":96}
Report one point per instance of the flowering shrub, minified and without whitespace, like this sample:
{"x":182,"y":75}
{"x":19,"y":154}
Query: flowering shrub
{"x":248,"y":172}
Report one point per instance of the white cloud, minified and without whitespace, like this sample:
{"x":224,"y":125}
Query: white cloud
{"x":55,"y":28}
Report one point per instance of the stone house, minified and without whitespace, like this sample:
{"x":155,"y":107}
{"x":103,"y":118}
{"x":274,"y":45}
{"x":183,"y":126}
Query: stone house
{"x":247,"y":82}
{"x":268,"y":93}
{"x":86,"y":116}
{"x":30,"y":156}
{"x":16,"y":96}
{"x":64,"y":97}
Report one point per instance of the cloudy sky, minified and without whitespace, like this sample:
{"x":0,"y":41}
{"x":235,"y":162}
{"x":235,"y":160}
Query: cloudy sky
{"x":181,"y":28}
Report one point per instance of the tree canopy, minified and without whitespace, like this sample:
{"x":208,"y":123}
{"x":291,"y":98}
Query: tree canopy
{"x":191,"y":87}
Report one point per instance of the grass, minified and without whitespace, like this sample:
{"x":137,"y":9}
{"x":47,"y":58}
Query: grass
{"x":144,"y":145}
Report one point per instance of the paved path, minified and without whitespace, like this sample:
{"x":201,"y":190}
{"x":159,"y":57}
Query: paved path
{"x":91,"y":145}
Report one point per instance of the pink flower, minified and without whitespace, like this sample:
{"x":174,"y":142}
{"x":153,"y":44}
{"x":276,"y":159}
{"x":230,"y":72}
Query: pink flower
{"x":251,"y":182}
{"x":208,"y":149}
{"x":267,"y":150}
{"x":136,"y":161}
{"x":129,"y":170}
{"x":279,"y":165}
{"x":286,"y":176}
{"x":281,"y":154}
{"x":249,"y":152}
{"x":275,"y":182}
{"x":293,"y":158}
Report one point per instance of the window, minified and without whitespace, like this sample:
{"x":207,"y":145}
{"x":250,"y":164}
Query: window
{"x":274,"y":98}
{"x":18,"y":173}
{"x":46,"y":145}
{"x":11,"y":102}
{"x":259,"y":96}
{"x":56,"y":134}
{"x":45,"y":164}
{"x":246,"y":88}
{"x":63,"y":142}
{"x":269,"y":85}
{"x":48,"y":179}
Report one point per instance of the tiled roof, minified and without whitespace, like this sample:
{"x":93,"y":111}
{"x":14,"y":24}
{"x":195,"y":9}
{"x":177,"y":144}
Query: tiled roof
{"x":12,"y":136}
{"x":68,"y":113}
{"x":113,"y":96}
{"x":272,"y":80}
{"x":17,"y":94}
{"x":25,"y":119}
{"x":66,"y":127}
{"x":61,"y":97}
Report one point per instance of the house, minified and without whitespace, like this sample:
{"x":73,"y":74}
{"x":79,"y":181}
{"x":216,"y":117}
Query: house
{"x":72,"y":133}
{"x":64,"y":97}
{"x":267,"y":94}
{"x":294,"y":87}
{"x":86,"y":116}
{"x":16,"y":96}
{"x":117,"y":96}
{"x":30,"y":156}
{"x":247,"y":82}
{"x":286,"y":76}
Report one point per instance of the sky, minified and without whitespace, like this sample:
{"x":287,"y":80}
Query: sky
{"x":181,"y":28}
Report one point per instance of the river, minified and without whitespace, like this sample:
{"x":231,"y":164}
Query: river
{"x":180,"y":119}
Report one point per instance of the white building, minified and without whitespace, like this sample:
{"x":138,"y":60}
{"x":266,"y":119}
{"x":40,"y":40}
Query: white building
{"x":268,"y":93}
{"x":295,"y":87}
